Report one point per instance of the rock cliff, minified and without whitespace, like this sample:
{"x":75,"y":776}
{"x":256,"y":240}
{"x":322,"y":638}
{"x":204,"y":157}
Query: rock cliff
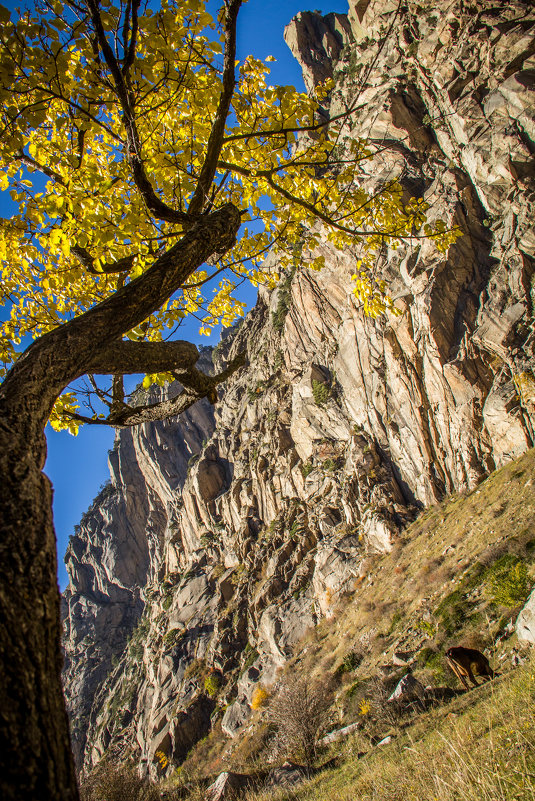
{"x":225,"y":535}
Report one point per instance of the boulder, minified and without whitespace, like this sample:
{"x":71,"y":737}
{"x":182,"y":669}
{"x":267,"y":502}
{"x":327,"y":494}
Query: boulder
{"x":287,"y":775}
{"x":227,"y":785}
{"x":340,"y":734}
{"x":235,"y":716}
{"x":402,"y":658}
{"x":408,"y":689}
{"x":525,"y":622}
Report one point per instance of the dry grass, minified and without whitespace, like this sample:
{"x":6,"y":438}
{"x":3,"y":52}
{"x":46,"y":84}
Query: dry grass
{"x":114,"y":782}
{"x":482,"y":752}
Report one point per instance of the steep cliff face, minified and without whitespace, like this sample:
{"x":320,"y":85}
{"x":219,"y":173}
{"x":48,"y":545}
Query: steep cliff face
{"x":342,"y":426}
{"x":117,"y":549}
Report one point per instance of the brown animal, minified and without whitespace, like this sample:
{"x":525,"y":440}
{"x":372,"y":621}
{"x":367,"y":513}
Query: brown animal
{"x":467,"y":661}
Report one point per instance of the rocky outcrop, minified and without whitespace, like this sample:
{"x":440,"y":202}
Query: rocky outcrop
{"x":343,"y":426}
{"x":117,"y":549}
{"x":317,"y":42}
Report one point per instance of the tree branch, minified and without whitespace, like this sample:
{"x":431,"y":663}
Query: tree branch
{"x":30,"y":162}
{"x":215,"y":141}
{"x":69,"y":351}
{"x":155,"y":205}
{"x":144,"y":357}
{"x":120,"y":266}
{"x":266,"y":174}
{"x":196,"y":385}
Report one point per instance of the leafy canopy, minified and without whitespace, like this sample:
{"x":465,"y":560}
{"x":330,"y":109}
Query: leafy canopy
{"x":85,"y":145}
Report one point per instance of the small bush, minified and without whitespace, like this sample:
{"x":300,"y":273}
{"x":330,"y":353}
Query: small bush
{"x":207,"y":538}
{"x":136,"y":645}
{"x":350,"y":662}
{"x":162,"y":760}
{"x":320,"y":392}
{"x":453,"y":611}
{"x":508,"y":582}
{"x":397,"y":617}
{"x":109,"y":782}
{"x":330,"y":465}
{"x":434,"y":662}
{"x":167,"y":601}
{"x":283,"y":302}
{"x":300,"y":713}
{"x":212,"y":684}
{"x":250,"y":655}
{"x":194,"y":670}
{"x":306,"y":468}
{"x":260,"y":696}
{"x":171,"y":637}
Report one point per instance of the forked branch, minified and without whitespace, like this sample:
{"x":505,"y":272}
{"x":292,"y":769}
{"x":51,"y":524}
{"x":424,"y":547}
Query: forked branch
{"x":196,"y":385}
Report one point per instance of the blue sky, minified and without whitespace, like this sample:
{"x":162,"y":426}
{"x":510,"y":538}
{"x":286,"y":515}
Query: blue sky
{"x":77,"y":466}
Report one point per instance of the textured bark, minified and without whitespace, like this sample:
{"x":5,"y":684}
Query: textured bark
{"x":144,"y":357}
{"x":35,"y":758}
{"x":196,"y":385}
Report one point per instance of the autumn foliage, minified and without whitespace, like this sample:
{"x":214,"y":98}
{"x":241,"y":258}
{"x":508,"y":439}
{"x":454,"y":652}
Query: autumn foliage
{"x":109,"y":150}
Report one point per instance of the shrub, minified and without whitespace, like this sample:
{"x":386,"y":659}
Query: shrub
{"x":306,"y":468}
{"x":507,"y":581}
{"x":300,"y":712}
{"x":283,"y":303}
{"x":250,"y":656}
{"x":320,"y":392}
{"x":260,"y":696}
{"x":207,"y":538}
{"x":212,"y":684}
{"x":194,"y":670}
{"x":397,"y":617}
{"x":171,"y":637}
{"x":377,"y":712}
{"x":434,"y":661}
{"x":350,"y":662}
{"x":167,"y":601}
{"x":453,"y":611}
{"x":330,"y":465}
{"x":109,"y":782}
{"x":136,"y":645}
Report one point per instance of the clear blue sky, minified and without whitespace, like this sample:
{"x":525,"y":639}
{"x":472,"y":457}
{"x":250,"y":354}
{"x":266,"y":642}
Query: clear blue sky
{"x":77,"y":466}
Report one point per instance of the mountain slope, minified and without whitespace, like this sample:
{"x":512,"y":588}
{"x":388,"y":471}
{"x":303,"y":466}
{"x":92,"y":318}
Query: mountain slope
{"x":342,"y":428}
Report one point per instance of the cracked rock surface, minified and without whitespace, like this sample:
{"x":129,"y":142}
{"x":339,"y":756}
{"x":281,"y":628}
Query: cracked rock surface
{"x":342,"y":427}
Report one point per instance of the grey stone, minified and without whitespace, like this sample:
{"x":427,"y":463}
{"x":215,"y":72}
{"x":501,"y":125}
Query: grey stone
{"x":525,"y":622}
{"x":286,"y":776}
{"x":227,"y":785}
{"x":408,"y":689}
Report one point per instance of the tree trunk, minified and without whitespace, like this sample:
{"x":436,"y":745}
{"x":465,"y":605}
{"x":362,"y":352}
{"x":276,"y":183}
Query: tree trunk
{"x":35,"y":755}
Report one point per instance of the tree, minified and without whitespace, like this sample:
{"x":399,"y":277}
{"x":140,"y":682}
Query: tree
{"x":136,"y":156}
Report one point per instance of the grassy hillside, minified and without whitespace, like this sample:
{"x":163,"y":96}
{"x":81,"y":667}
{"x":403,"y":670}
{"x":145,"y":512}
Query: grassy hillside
{"x":480,"y":747}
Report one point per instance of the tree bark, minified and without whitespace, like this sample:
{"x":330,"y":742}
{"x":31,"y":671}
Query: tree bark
{"x":35,"y":756}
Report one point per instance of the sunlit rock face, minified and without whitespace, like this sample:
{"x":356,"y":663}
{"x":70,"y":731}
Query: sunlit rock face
{"x":341,"y":427}
{"x":117,"y":549}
